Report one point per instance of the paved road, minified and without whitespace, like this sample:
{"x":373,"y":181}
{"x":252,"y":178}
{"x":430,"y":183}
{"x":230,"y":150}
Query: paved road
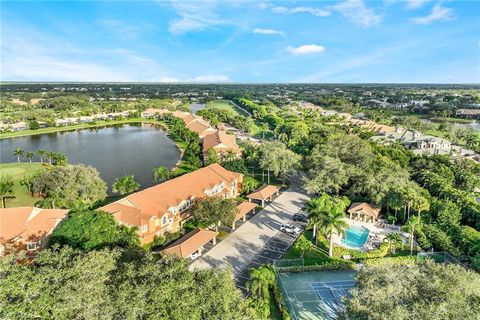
{"x":258,"y":240}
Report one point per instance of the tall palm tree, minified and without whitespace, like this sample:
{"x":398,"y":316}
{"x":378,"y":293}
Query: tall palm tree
{"x":413,"y":224}
{"x":160,"y":174}
{"x":29,"y":155}
{"x":18,"y":153}
{"x":42,"y":154}
{"x":331,"y":222}
{"x":260,"y":281}
{"x":394,"y":240}
{"x":315,"y":208}
{"x":6,"y":189}
{"x":125,"y":185}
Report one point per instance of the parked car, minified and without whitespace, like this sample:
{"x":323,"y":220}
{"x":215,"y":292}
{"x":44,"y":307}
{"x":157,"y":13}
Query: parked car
{"x":300,"y":217}
{"x":194,"y":255}
{"x":290,"y":229}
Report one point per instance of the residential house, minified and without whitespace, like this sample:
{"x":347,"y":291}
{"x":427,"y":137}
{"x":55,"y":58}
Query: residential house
{"x":468,"y":113}
{"x":222,"y":143}
{"x":363,"y":211}
{"x":27,"y":227}
{"x":153,"y":113}
{"x":163,"y":208}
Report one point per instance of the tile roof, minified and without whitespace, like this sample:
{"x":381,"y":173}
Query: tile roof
{"x":190,"y":243}
{"x":264,"y":192}
{"x":201,"y":127}
{"x":244,"y":208}
{"x":365,"y":208}
{"x":28,"y":222}
{"x":156,"y":200}
{"x":220,"y":141}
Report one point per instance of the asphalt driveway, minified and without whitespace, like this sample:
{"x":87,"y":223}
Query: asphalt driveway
{"x":258,"y":240}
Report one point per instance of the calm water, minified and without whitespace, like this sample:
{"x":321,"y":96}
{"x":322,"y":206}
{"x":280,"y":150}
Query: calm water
{"x":194,"y":107}
{"x":355,"y":237}
{"x":115,"y":151}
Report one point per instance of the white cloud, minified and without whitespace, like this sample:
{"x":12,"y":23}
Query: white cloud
{"x":268,"y":31}
{"x":313,"y":11}
{"x":306,"y":49}
{"x":194,"y":16}
{"x":438,"y":13}
{"x":264,"y":5}
{"x":212,"y":78}
{"x":415,"y":4}
{"x":357,"y":12}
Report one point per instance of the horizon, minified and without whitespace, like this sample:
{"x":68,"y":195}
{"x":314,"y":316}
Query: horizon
{"x":241,"y":42}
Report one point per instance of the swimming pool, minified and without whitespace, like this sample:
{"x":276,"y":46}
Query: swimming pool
{"x":355,"y":237}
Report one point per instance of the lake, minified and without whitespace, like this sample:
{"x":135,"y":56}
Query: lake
{"x":195,"y":107}
{"x":114,"y":150}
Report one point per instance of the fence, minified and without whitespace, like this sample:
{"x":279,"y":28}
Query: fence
{"x":441,"y":257}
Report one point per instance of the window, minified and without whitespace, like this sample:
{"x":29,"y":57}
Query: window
{"x":144,"y":228}
{"x":234,"y":184}
{"x":32,"y":246}
{"x":164,"y":220}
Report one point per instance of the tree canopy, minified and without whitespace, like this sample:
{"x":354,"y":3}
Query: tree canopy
{"x":110,"y":284}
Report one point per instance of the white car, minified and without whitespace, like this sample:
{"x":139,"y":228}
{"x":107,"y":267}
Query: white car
{"x":194,"y":255}
{"x":290,"y":229}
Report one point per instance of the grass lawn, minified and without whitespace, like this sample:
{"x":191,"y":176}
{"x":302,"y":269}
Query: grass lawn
{"x":312,"y":257}
{"x":18,"y":171}
{"x":453,"y":120}
{"x":226,"y":105}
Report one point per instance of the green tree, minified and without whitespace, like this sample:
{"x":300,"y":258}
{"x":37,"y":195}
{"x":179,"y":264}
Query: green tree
{"x":19,"y":153}
{"x":261,"y":279}
{"x":6,"y":189}
{"x":394,"y":241}
{"x":213,"y":211}
{"x":276,"y":158}
{"x":334,"y":221}
{"x":29,"y":155}
{"x":92,"y":230}
{"x":414,"y":224}
{"x":249,"y":184}
{"x":42,"y":154}
{"x":70,"y":186}
{"x":125,"y":185}
{"x":161,"y":174}
{"x":303,"y":244}
{"x":33,"y":125}
{"x":428,"y":291}
{"x":211,"y":156}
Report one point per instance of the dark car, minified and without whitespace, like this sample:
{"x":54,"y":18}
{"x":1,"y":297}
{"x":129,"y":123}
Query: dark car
{"x":300,"y":218}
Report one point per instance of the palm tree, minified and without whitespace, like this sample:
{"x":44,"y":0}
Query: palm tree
{"x":29,"y":155}
{"x":303,"y":244}
{"x":264,"y":127}
{"x":42,"y":154}
{"x":6,"y":189}
{"x":230,"y":155}
{"x":315,"y":209}
{"x":160,"y":174}
{"x":331,"y":222}
{"x":260,"y":281}
{"x":125,"y":185}
{"x":413,"y":224}
{"x":18,"y":153}
{"x":130,"y":235}
{"x":394,"y":240}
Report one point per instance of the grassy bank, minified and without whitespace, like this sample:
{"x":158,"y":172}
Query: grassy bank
{"x":226,"y":105}
{"x":77,"y":127}
{"x":18,"y":171}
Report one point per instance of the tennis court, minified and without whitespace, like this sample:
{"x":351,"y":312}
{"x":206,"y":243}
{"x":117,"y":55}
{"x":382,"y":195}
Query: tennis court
{"x":316,"y":295}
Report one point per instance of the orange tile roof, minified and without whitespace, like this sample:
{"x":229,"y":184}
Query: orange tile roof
{"x":221,"y":142}
{"x":201,"y":127}
{"x":264,"y":192}
{"x":28,"y":223}
{"x":190,"y":243}
{"x":364,"y":208}
{"x":244,"y":208}
{"x":155,"y":111}
{"x":156,"y":200}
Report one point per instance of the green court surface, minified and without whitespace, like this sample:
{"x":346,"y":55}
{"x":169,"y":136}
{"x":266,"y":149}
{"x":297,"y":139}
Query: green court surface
{"x":316,"y":295}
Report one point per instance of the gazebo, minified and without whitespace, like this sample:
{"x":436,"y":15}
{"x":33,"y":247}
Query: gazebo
{"x":363,"y":211}
{"x":265,"y":193}
{"x":243,"y":209}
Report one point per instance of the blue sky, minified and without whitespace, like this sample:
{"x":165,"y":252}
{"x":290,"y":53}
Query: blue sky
{"x":414,"y":41}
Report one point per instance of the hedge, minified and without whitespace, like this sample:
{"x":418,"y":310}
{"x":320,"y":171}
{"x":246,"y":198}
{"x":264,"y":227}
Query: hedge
{"x":392,"y":260}
{"x":280,"y":301}
{"x":333,"y":265}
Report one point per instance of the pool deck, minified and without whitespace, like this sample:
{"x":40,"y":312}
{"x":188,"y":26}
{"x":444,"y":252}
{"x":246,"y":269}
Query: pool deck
{"x":374,"y":230}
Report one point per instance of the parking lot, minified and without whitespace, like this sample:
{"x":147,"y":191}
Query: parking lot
{"x":271,"y":252}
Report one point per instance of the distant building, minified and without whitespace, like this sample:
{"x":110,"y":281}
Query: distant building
{"x":222,"y":143}
{"x":468,"y":113}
